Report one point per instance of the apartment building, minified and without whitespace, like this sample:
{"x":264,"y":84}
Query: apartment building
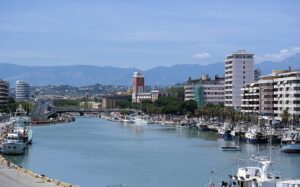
{"x":205,"y":90}
{"x":272,"y":94}
{"x":22,"y":90}
{"x":287,"y":93}
{"x":239,"y":70}
{"x":4,"y":92}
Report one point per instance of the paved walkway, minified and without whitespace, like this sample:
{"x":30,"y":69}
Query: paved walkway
{"x":12,"y":178}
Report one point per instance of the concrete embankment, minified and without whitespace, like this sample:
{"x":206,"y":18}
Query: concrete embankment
{"x":13,"y":175}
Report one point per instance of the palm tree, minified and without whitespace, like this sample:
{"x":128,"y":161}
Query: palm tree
{"x":295,"y":119}
{"x":285,"y":117}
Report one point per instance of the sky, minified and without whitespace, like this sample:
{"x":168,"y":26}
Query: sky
{"x":145,"y":33}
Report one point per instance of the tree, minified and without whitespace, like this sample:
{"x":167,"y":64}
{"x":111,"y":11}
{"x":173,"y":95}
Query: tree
{"x":285,"y":117}
{"x":189,"y":106}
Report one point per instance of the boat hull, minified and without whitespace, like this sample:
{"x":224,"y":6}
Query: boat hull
{"x":291,"y":148}
{"x":13,"y":148}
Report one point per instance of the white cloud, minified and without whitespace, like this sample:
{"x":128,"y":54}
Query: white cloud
{"x":280,"y":56}
{"x":202,"y":55}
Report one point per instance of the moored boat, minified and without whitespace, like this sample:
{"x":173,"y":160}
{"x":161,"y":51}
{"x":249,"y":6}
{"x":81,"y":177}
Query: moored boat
{"x":224,"y":131}
{"x":13,"y":144}
{"x":21,"y":124}
{"x":259,"y":176}
{"x":290,"y":142}
{"x":254,"y":135}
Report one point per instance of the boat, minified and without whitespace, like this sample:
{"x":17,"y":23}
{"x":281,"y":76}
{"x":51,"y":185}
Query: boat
{"x":232,"y":148}
{"x":140,"y":120}
{"x":203,"y":126}
{"x":290,"y":142}
{"x":127,"y":120}
{"x":224,"y":131}
{"x":254,"y":135}
{"x":238,"y":132}
{"x":259,"y":175}
{"x":13,"y":144}
{"x":21,"y":124}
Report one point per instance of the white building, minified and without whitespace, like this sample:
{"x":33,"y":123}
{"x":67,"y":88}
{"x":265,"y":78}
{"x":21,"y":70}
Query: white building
{"x":152,"y":96}
{"x":250,"y":98}
{"x":189,"y":93}
{"x":239,"y":70}
{"x":287,"y":93}
{"x":273,"y":94}
{"x":22,"y":91}
{"x":205,"y":90}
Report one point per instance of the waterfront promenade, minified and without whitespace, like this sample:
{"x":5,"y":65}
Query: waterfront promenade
{"x":13,"y":175}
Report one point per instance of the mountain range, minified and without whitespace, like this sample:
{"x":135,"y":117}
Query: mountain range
{"x":79,"y":75}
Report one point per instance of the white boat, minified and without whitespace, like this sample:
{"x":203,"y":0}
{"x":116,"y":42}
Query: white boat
{"x":290,"y":142}
{"x":259,"y":175}
{"x":140,"y":120}
{"x":21,"y":124}
{"x":224,"y":131}
{"x":127,"y":120}
{"x":12,"y":144}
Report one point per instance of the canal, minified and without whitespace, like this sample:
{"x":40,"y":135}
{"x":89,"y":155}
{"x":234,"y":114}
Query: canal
{"x":96,"y":152}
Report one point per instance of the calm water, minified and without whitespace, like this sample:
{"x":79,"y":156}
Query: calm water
{"x":95,"y":152}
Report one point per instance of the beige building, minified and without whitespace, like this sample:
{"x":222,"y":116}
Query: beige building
{"x":110,"y":101}
{"x":206,"y":90}
{"x":239,"y":70}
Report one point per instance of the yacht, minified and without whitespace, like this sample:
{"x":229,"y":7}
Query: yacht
{"x":259,"y":175}
{"x":21,"y":124}
{"x":13,"y":144}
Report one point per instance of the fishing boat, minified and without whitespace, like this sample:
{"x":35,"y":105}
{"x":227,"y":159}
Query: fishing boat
{"x":254,"y":135}
{"x":13,"y":144}
{"x":21,"y":124}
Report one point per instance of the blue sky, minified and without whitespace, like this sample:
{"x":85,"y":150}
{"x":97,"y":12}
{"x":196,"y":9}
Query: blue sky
{"x":145,"y":33}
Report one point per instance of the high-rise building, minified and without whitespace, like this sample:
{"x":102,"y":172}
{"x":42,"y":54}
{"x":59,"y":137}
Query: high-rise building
{"x":239,"y":70}
{"x":22,"y":91}
{"x":4,"y":92}
{"x":138,"y":85}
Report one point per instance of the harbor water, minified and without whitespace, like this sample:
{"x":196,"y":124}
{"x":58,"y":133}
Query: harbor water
{"x":95,"y":152}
